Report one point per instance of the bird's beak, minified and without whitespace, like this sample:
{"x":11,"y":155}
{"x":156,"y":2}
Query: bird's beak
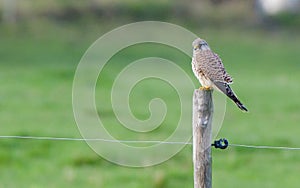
{"x":196,"y":47}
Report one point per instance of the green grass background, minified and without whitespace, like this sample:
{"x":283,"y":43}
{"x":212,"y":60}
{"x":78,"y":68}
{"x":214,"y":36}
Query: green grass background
{"x":37,"y":67}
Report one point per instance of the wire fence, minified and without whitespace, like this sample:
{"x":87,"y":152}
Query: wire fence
{"x":94,"y":139}
{"x":264,"y":147}
{"x":141,"y":142}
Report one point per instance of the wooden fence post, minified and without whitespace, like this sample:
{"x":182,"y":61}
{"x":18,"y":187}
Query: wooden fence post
{"x":202,"y":133}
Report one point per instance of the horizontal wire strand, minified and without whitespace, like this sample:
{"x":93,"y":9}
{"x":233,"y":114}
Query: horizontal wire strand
{"x":264,"y":147}
{"x":139,"y":142}
{"x":94,"y":139}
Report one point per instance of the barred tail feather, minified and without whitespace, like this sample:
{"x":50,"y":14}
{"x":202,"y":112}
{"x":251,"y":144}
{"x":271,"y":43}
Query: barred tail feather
{"x":225,"y":88}
{"x":240,"y":105}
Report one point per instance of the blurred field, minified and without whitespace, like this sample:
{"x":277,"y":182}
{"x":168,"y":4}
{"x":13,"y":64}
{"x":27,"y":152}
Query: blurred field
{"x":37,"y":65}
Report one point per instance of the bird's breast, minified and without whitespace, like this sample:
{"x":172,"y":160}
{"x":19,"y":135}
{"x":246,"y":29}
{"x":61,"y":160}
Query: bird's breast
{"x":204,"y":81}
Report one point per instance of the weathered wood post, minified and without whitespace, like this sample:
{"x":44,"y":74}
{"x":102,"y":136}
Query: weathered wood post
{"x":202,"y":133}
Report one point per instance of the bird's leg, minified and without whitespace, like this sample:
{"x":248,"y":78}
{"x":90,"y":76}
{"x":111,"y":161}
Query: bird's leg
{"x":205,"y":88}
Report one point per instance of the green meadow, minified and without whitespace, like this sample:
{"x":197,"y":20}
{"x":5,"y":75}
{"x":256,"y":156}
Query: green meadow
{"x":37,"y":68}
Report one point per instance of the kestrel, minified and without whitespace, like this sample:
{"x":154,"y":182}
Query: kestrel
{"x":209,"y":70}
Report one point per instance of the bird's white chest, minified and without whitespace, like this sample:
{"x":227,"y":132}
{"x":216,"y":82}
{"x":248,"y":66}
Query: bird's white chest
{"x":204,"y":81}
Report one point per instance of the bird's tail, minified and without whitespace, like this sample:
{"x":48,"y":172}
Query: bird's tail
{"x":225,"y":88}
{"x":239,"y":104}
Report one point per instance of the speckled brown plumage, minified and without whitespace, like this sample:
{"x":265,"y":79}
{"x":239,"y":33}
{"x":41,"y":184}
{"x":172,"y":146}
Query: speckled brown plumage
{"x":209,"y":69}
{"x":211,"y":66}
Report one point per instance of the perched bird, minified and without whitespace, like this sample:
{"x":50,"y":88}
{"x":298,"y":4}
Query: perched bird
{"x":209,"y":70}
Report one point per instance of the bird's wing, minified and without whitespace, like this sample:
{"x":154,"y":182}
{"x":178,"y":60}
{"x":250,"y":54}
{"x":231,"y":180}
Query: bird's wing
{"x":211,"y":65}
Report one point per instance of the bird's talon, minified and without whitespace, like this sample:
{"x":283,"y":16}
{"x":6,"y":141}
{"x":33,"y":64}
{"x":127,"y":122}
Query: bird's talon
{"x":205,"y":88}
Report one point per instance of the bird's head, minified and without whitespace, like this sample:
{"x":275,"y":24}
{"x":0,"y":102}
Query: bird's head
{"x":200,"y":44}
